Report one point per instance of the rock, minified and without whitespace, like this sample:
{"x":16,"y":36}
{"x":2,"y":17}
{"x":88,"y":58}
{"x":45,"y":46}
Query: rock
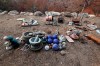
{"x":52,"y":13}
{"x":62,"y":52}
{"x":28,"y":13}
{"x":31,"y":14}
{"x":13,"y":12}
{"x":38,"y":13}
{"x":48,"y":13}
{"x":74,"y":14}
{"x":67,"y":14}
{"x":4,"y":12}
{"x":56,"y":13}
{"x":92,"y":15}
{"x":22,"y":13}
{"x":85,"y":15}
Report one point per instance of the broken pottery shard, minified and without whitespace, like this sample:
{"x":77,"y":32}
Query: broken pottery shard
{"x":69,"y":39}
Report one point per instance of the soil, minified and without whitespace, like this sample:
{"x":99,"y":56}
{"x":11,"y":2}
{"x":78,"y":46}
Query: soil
{"x":77,"y":54}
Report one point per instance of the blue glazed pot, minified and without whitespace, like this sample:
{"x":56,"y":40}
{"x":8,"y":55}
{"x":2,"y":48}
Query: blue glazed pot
{"x":49,"y":40}
{"x":55,"y":36}
{"x":56,"y":41}
{"x":55,"y":47}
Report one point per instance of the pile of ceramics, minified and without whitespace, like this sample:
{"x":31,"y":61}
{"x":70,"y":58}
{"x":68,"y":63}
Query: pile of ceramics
{"x":35,"y":41}
{"x":55,"y":42}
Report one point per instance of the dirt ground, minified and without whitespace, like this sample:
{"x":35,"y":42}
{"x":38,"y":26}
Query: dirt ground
{"x":77,"y":54}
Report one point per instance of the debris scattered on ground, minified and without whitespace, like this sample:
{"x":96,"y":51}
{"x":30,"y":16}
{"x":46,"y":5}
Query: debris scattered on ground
{"x":39,"y":40}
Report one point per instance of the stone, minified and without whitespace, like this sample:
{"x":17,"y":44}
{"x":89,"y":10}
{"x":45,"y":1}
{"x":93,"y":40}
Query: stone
{"x":38,"y":13}
{"x":67,"y":14}
{"x":22,"y":13}
{"x":13,"y":12}
{"x":56,"y":13}
{"x":31,"y":14}
{"x":74,"y":14}
{"x":52,"y":13}
{"x":85,"y":15}
{"x":4,"y":12}
{"x":62,"y":52}
{"x":28,"y":13}
{"x":92,"y":15}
